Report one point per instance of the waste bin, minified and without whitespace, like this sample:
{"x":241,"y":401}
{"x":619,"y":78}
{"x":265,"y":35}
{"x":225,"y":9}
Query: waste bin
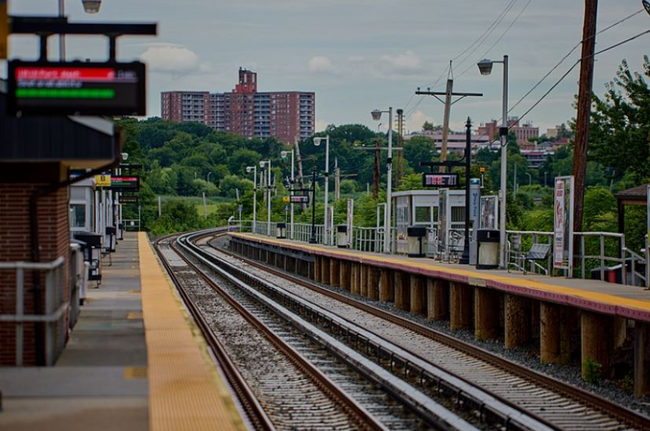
{"x":342,"y":239}
{"x":92,"y":253}
{"x":488,"y":241}
{"x":416,"y":241}
{"x":111,"y":232}
{"x":281,"y":231}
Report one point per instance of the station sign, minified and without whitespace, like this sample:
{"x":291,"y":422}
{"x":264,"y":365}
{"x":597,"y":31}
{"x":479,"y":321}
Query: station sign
{"x":76,"y":88}
{"x":299,"y":199}
{"x":103,"y":180}
{"x":129,"y":199}
{"x":439,"y":180}
{"x":131,"y":183}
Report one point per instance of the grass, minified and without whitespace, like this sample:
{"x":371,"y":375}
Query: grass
{"x":212,"y":204}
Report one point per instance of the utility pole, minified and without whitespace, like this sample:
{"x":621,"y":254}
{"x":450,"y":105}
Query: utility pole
{"x":399,"y":166}
{"x":584,"y":110}
{"x":337,"y":180}
{"x":449,"y":94}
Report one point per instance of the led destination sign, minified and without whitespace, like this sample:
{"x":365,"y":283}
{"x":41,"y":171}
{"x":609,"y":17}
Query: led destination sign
{"x":299,"y":199}
{"x":76,"y":88}
{"x":439,"y":180}
{"x":125,"y":183}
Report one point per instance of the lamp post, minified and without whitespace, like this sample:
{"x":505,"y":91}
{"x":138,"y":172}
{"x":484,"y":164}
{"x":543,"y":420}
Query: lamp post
{"x":253,"y":169}
{"x":376,"y":115}
{"x":530,"y":179}
{"x":312,"y":240}
{"x":90,"y":6}
{"x":485,"y":67}
{"x":267,"y":163}
{"x":207,"y":178}
{"x":284,"y":156}
{"x":317,"y":142}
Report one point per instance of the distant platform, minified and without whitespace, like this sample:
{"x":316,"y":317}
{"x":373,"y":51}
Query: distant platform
{"x":133,"y":362}
{"x":594,"y":295}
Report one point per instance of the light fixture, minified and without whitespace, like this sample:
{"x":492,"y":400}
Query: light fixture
{"x":317,"y":141}
{"x":485,"y":66}
{"x":376,"y":115}
{"x":250,"y":169}
{"x":284,"y":154}
{"x":646,"y":5}
{"x":91,"y":6}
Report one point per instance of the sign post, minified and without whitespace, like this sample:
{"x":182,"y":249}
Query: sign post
{"x":563,"y":225}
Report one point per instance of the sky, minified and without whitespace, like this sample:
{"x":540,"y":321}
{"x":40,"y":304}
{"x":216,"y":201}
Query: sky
{"x":360,"y":55}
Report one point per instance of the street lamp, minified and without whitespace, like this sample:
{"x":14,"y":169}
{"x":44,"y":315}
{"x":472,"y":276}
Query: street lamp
{"x":91,"y":6}
{"x":207,"y":178}
{"x":284,"y":155}
{"x":253,"y":169}
{"x":485,"y":67}
{"x":317,"y":142}
{"x":530,"y":179}
{"x":267,"y":163}
{"x":376,"y":115}
{"x":646,"y":5}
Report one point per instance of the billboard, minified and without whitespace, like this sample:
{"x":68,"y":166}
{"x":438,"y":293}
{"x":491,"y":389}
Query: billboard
{"x":563,"y":224}
{"x":76,"y":88}
{"x":439,"y":180}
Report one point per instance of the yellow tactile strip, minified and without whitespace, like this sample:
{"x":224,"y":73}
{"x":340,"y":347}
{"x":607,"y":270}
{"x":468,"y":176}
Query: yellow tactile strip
{"x":602,"y":302}
{"x":185,"y":391}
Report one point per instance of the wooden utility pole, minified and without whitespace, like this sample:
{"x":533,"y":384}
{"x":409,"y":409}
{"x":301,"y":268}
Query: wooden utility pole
{"x":584,"y":110}
{"x":337,"y":180}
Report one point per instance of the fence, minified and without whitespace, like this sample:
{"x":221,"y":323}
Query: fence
{"x":55,"y":306}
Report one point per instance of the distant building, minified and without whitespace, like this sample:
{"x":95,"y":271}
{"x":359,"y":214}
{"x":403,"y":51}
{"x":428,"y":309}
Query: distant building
{"x":523,"y":133}
{"x":288,"y":116}
{"x":455,"y":141}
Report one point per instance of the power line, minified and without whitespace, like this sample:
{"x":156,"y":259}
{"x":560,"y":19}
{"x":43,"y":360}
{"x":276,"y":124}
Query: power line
{"x":609,"y":48}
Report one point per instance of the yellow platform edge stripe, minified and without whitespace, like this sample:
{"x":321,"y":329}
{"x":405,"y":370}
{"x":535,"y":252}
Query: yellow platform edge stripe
{"x":603,"y":298}
{"x":186,"y":391}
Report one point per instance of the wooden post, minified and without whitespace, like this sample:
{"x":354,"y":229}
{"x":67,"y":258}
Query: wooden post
{"x":418,"y":295}
{"x":517,"y":330}
{"x":462,"y":306}
{"x":486,"y":310}
{"x":363,"y":291}
{"x":317,"y":269}
{"x":597,"y":342}
{"x":325,"y":270}
{"x":641,"y":359}
{"x":373,"y":282}
{"x":344,"y":280}
{"x":386,"y":291}
{"x":334,"y":272}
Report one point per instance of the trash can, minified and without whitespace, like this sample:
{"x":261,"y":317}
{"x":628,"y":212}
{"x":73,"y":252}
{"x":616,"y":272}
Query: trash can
{"x":92,"y":253}
{"x":416,"y":241}
{"x":342,"y":239}
{"x":281,"y":231}
{"x":488,"y":241}
{"x":111,"y":232}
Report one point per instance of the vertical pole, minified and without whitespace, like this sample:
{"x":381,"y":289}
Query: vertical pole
{"x":312,"y":240}
{"x":205,"y":208}
{"x":254,"y":198}
{"x":268,"y":198}
{"x":445,"y":127}
{"x":375,"y":172}
{"x":327,"y":184}
{"x":584,"y":110}
{"x":61,"y":36}
{"x":159,"y":207}
{"x":468,"y":155}
{"x":337,"y":180}
{"x":293,"y":168}
{"x":389,"y":183}
{"x":400,"y":144}
{"x":503,"y":132}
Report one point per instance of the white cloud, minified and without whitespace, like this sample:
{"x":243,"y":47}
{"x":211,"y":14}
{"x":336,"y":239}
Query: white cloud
{"x":407,"y":62}
{"x":356,"y":59}
{"x":172,"y":59}
{"x":321,"y":64}
{"x":417,"y":119}
{"x":321,"y":125}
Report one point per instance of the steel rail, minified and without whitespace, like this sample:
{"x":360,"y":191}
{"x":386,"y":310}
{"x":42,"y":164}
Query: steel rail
{"x":363,"y":418}
{"x":617,"y":411}
{"x":249,"y":402}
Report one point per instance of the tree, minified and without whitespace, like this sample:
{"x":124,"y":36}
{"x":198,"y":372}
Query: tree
{"x":620,"y":126}
{"x":427,"y":126}
{"x":419,"y":149}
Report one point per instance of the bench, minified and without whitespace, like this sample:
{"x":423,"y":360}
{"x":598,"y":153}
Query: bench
{"x":536,"y":253}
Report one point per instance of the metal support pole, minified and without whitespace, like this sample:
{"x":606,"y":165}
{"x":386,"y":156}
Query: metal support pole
{"x":327,"y":185}
{"x":61,"y":36}
{"x":293,"y":152}
{"x":312,"y":240}
{"x":504,"y":166}
{"x":268,"y":198}
{"x":254,"y":198}
{"x":389,"y":184}
{"x":468,"y":156}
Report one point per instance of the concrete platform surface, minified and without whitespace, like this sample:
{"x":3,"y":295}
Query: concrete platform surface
{"x":595,"y":295}
{"x":100,"y":380}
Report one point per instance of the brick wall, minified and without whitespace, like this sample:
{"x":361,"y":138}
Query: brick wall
{"x":54,"y":241}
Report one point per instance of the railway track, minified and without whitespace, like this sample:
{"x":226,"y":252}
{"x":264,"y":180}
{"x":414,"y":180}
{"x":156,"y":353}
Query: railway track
{"x":559,"y":404}
{"x":291,"y":402}
{"x":395,"y":368}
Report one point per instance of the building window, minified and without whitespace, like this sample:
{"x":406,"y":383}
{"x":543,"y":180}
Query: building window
{"x":78,"y":215}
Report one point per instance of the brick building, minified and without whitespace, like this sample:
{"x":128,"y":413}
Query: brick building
{"x":288,"y":116}
{"x":36,"y":156}
{"x":522,"y":132}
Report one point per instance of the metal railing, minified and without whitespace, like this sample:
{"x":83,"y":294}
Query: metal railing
{"x":55,"y":307}
{"x":519,"y":244}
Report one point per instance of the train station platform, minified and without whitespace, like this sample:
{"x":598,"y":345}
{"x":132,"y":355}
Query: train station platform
{"x":134,"y":361}
{"x":565,"y":320}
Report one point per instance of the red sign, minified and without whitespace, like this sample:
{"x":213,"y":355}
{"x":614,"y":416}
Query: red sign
{"x":440,"y":180}
{"x":64,"y":73}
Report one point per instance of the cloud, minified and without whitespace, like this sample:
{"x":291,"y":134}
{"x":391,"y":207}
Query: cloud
{"x":407,"y":62}
{"x":172,"y":59}
{"x":417,"y":119}
{"x":320,"y":64}
{"x":321,"y":125}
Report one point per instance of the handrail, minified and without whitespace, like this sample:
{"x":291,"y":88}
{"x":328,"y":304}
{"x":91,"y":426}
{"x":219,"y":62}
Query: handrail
{"x":44,"y":266}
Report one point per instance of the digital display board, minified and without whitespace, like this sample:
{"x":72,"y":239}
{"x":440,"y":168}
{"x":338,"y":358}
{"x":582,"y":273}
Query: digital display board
{"x":129,"y":199}
{"x":440,"y":180}
{"x":299,"y":199}
{"x":125,"y":183}
{"x":71,"y":88}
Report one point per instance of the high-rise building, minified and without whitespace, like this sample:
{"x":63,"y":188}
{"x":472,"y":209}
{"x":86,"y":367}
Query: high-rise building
{"x":522,"y":132}
{"x":289,"y":116}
